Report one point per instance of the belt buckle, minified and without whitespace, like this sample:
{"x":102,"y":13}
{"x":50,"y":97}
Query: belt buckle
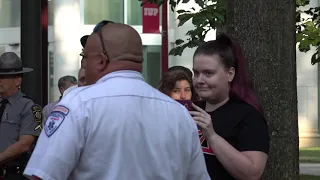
{"x":18,"y":169}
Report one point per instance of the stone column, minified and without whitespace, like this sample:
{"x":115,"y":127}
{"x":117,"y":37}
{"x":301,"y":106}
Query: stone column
{"x":67,"y":34}
{"x":308,"y":96}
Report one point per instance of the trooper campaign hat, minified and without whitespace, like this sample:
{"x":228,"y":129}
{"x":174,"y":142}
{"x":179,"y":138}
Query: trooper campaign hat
{"x":10,"y":63}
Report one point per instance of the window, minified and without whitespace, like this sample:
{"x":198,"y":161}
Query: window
{"x":52,"y":88}
{"x":10,"y":12}
{"x":152,"y":64}
{"x":98,"y":10}
{"x":2,"y":50}
{"x":134,"y":12}
{"x":50,"y":13}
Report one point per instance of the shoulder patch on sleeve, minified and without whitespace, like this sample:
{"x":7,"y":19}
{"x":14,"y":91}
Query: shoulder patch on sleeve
{"x":62,"y":109}
{"x":37,"y":113}
{"x":53,"y":122}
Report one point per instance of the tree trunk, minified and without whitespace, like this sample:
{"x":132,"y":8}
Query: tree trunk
{"x":266,"y":32}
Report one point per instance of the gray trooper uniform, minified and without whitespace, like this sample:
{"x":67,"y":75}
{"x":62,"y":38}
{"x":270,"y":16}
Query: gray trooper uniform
{"x":47,"y":110}
{"x":21,"y":117}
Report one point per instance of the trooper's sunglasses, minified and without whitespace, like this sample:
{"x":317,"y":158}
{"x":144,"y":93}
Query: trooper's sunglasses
{"x":97,"y":29}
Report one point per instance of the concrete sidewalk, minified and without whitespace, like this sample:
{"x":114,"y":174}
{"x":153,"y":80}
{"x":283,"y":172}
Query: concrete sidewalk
{"x":310,"y":168}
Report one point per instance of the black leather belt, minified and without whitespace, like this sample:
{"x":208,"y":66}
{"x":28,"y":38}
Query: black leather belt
{"x":2,"y":172}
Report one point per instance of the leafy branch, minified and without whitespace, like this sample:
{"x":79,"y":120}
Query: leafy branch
{"x":212,"y":15}
{"x":308,"y":29}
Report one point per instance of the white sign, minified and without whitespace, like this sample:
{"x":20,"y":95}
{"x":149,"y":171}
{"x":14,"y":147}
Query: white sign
{"x":151,"y":11}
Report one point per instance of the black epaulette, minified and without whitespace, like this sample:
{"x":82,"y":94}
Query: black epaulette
{"x":27,"y":97}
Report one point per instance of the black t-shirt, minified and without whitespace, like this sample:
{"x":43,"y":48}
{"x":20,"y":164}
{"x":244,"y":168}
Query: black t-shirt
{"x":242,"y":126}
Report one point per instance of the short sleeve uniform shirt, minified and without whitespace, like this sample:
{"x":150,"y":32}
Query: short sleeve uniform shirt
{"x":21,"y":117}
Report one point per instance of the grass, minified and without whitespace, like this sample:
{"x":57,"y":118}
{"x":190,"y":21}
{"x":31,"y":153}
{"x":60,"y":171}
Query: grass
{"x":309,"y":177}
{"x":310,"y":155}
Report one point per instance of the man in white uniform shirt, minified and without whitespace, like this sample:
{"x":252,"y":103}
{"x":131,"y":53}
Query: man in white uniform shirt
{"x":118,"y":127}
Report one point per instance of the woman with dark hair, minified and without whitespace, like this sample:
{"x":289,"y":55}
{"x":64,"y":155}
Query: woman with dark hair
{"x":177,"y":84}
{"x":181,"y":68}
{"x":234,"y":133}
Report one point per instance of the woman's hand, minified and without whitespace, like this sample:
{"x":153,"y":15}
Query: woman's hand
{"x":203,"y":120}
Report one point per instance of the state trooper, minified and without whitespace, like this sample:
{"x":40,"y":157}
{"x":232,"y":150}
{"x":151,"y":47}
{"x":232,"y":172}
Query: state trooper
{"x":20,"y":118}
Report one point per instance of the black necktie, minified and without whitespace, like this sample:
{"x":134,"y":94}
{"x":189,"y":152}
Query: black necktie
{"x":3,"y":106}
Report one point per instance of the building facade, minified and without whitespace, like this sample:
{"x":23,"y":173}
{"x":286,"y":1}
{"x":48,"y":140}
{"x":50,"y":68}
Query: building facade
{"x":70,"y":19}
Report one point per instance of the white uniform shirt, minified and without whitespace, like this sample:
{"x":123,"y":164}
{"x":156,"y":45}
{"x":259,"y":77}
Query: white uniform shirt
{"x":69,"y":90}
{"x":120,"y":128}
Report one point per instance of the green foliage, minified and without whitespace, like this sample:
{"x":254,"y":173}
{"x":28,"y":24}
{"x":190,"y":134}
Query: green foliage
{"x":308,"y":29}
{"x":212,"y":15}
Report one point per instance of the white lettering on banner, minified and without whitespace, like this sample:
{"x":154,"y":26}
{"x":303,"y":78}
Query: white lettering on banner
{"x":151,"y":11}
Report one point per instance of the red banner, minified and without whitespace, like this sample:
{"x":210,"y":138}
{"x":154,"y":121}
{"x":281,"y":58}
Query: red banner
{"x":150,"y":18}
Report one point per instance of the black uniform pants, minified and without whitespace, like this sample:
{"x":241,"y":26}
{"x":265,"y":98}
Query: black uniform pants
{"x":14,"y":177}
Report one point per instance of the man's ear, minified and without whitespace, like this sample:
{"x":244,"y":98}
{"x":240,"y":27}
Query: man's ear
{"x":61,"y":90}
{"x":18,"y":81}
{"x":102,"y":62}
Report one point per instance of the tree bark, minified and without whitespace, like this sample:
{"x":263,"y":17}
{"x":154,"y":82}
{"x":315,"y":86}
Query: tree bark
{"x":266,"y":32}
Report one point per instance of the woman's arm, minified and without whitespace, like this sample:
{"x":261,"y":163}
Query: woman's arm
{"x":247,"y":165}
{"x":248,"y":160}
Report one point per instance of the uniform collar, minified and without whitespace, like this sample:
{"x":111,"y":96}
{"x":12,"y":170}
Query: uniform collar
{"x":15,"y":97}
{"x":121,"y":74}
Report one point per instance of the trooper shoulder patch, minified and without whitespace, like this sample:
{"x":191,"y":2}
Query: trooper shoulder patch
{"x":37,"y":114}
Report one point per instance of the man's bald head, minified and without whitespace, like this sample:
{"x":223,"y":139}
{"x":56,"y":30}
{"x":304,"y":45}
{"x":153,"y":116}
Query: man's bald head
{"x":123,"y":48}
{"x":122,"y":42}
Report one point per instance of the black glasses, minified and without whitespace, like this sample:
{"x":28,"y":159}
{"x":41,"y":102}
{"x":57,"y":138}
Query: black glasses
{"x":97,"y":29}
